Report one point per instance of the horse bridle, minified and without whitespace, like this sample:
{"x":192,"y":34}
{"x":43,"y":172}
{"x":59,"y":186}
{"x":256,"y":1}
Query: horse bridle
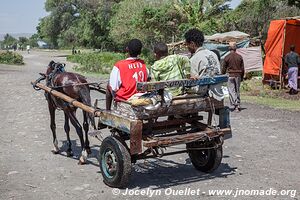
{"x":57,"y":67}
{"x":60,"y":67}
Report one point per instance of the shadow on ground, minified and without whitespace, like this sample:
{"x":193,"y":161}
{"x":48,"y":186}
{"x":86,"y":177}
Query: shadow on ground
{"x":157,"y":173}
{"x":77,"y":152}
{"x":162,"y":173}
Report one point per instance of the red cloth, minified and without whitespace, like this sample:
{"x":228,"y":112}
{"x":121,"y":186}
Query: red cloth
{"x":273,"y":47}
{"x":281,"y":34}
{"x":131,"y":72}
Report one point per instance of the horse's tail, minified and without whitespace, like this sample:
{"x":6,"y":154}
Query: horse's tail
{"x":85,"y":96}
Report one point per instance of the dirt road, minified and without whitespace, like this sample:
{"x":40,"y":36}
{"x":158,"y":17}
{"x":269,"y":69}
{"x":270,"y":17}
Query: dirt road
{"x":263,"y":155}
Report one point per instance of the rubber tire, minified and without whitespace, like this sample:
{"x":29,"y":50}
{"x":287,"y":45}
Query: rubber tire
{"x":214,"y":158}
{"x":123,"y":169}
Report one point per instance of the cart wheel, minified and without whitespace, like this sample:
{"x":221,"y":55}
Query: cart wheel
{"x":206,"y":160}
{"x":115,"y":162}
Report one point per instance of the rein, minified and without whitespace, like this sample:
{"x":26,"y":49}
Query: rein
{"x":78,"y":84}
{"x":92,"y":86}
{"x":59,"y":68}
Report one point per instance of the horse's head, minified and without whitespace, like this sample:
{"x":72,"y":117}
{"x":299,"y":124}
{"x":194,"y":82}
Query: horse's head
{"x":54,"y":67}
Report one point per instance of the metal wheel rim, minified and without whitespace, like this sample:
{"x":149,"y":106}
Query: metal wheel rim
{"x":109,"y":163}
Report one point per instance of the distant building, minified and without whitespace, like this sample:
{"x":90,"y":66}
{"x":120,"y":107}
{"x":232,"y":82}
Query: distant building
{"x":42,"y":44}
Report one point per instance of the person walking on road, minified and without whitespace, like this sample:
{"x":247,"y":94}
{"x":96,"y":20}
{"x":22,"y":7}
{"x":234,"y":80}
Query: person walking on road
{"x":233,"y":65}
{"x":292,"y":60}
{"x":28,"y":49}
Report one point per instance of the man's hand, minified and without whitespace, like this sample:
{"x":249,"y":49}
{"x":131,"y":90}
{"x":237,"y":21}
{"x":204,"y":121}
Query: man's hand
{"x":193,"y":77}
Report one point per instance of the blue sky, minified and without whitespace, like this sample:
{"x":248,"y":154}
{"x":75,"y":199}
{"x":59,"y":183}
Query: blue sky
{"x":22,"y":16}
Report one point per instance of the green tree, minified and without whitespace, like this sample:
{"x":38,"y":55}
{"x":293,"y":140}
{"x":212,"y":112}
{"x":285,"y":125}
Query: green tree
{"x":159,"y":23}
{"x":254,"y":16}
{"x":294,"y":3}
{"x":122,"y":26}
{"x":23,"y":40}
{"x":203,"y":14}
{"x":76,"y":23}
{"x":149,"y":21}
{"x":33,"y":40}
{"x":9,"y":40}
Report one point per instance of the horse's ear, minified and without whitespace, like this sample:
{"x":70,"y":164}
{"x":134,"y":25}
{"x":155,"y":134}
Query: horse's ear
{"x":51,"y":64}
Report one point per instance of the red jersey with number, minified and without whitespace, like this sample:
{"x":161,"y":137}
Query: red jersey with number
{"x":131,"y":71}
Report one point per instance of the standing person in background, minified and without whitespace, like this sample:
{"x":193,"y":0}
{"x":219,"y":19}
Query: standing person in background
{"x":216,"y":51}
{"x":169,"y":67}
{"x":292,"y":61}
{"x":233,"y":65}
{"x":125,"y":74}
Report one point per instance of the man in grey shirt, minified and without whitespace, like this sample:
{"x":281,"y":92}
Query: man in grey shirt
{"x":203,"y":62}
{"x":292,"y":60}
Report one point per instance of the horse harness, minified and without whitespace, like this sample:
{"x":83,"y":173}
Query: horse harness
{"x":57,"y":68}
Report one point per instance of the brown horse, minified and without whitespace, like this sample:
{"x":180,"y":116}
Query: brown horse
{"x":76,"y":87}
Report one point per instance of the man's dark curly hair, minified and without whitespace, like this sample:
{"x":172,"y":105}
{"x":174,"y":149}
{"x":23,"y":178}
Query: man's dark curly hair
{"x":194,"y":35}
{"x":292,"y":47}
{"x":134,"y":47}
{"x":161,"y":49}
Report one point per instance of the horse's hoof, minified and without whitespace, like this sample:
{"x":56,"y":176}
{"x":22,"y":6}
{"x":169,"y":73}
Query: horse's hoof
{"x":55,"y":151}
{"x":82,"y":161}
{"x":69,"y":153}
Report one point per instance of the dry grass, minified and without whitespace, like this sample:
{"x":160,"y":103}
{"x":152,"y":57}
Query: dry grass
{"x":253,"y":91}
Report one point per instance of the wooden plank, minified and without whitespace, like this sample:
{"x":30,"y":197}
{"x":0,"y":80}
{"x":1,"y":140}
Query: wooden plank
{"x":172,"y":122}
{"x":136,"y":137}
{"x":116,"y":121}
{"x":183,"y":139}
{"x":154,"y":86}
{"x":209,"y":118}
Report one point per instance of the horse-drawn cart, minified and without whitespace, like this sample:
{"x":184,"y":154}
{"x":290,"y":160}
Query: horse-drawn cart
{"x":198,"y":123}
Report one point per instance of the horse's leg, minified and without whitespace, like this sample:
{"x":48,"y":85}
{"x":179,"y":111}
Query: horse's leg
{"x":86,"y":130}
{"x":53,"y":127}
{"x":76,"y":124}
{"x":67,"y":130}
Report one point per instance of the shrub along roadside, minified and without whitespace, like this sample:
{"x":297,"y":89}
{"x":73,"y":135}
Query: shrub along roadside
{"x":102,"y":62}
{"x":95,"y":62}
{"x":8,"y":57}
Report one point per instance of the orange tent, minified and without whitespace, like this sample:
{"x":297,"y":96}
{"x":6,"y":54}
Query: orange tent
{"x":281,"y":34}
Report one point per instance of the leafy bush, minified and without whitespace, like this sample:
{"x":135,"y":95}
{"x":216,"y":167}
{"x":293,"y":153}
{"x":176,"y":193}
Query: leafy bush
{"x":102,"y":62}
{"x":7,"y":57}
{"x":96,"y":62}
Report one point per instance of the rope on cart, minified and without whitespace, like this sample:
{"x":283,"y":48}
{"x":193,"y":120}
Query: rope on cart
{"x":213,"y":109}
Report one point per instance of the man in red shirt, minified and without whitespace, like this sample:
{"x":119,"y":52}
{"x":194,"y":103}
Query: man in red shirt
{"x":125,"y":74}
